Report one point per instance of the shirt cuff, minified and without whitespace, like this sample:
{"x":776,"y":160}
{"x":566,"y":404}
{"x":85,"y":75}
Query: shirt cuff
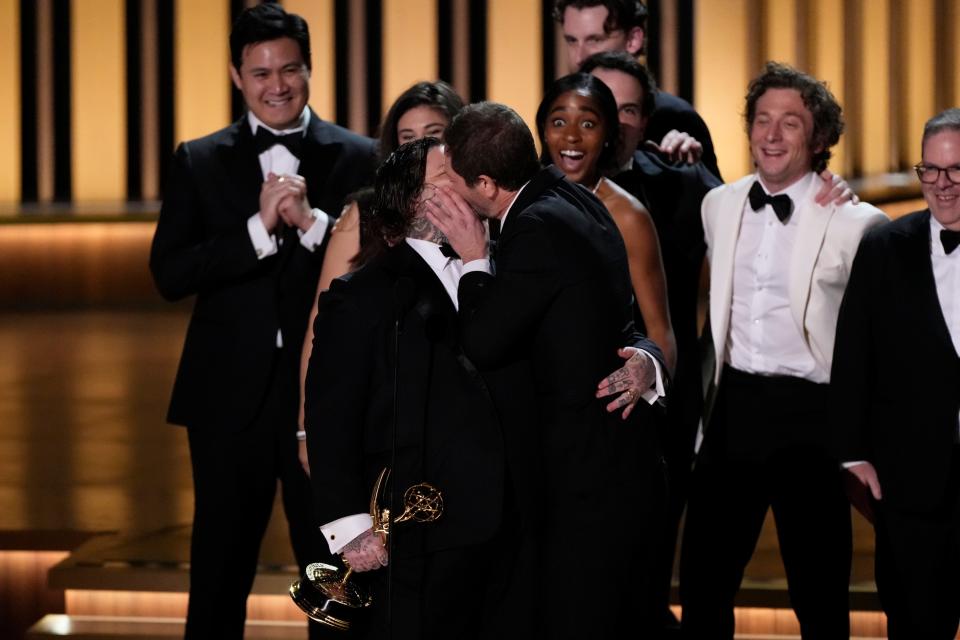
{"x":264,"y":243}
{"x":657,"y":391}
{"x":340,"y":532}
{"x":853,"y":463}
{"x":483,"y":264}
{"x":313,"y":237}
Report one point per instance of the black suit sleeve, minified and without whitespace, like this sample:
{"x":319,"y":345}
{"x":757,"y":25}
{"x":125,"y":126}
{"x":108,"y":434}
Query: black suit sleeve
{"x":854,"y":360}
{"x":673,"y":113}
{"x":496,"y":314}
{"x":337,"y":394}
{"x":186,"y":258}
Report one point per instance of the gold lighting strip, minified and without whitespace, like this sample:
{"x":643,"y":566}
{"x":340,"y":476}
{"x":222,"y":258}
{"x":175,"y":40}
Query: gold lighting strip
{"x":10,"y":101}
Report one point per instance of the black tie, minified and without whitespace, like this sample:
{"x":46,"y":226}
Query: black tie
{"x":448,"y":251}
{"x":266,"y":139}
{"x":782,"y":205}
{"x":950,"y":240}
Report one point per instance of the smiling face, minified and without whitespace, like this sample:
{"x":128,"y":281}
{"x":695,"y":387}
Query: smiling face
{"x":274,"y":81}
{"x":942,"y":150}
{"x":574,"y":134}
{"x":780,"y":138}
{"x":420,"y":122}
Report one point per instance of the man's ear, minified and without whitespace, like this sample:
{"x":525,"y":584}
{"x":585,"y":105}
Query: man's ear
{"x":235,"y":76}
{"x":487,"y":187}
{"x":635,"y":38}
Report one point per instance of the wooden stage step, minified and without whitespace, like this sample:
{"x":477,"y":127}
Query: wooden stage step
{"x":116,"y":628}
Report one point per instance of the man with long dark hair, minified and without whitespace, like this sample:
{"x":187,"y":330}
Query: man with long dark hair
{"x":448,"y":578}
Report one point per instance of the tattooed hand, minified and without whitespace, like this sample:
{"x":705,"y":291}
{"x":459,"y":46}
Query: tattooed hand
{"x":630,"y":381}
{"x":365,"y":552}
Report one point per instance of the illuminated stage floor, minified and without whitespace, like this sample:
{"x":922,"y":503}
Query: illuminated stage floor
{"x":84,"y":450}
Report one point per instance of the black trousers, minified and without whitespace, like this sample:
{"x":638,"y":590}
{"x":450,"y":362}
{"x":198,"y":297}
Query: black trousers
{"x":235,"y":477}
{"x":762,"y":451}
{"x":917,"y":563}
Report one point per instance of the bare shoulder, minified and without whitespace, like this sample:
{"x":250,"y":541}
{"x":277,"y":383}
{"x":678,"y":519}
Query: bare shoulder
{"x":626,"y":210}
{"x":349,"y":219}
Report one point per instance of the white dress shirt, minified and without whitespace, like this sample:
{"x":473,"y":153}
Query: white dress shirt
{"x":946,"y":273}
{"x":764,"y":338}
{"x":448,"y":271}
{"x":278,"y":160}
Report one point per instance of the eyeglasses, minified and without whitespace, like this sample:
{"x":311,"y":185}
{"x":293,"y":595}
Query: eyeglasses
{"x":929,"y":174}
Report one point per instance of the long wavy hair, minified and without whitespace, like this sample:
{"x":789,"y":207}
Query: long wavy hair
{"x":397,"y":187}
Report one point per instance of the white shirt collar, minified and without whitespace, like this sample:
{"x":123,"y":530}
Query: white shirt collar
{"x":796,"y":191}
{"x":503,"y":218}
{"x":256,"y":122}
{"x":936,"y":246}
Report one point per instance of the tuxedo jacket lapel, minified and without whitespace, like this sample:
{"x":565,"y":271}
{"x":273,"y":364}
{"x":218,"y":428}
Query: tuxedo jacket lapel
{"x":723,"y":255}
{"x":319,"y":155}
{"x":243,"y":173}
{"x":811,"y":234}
{"x":918,"y":267}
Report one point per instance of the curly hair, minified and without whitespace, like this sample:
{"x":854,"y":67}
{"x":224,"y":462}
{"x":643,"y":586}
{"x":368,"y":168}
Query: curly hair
{"x":397,"y":186}
{"x":436,"y":95}
{"x":621,"y":14}
{"x":823,"y":106}
{"x":593,"y":88}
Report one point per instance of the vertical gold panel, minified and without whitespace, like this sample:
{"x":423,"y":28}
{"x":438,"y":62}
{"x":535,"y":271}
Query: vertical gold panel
{"x":780,"y":31}
{"x":320,"y":19}
{"x":409,"y":45}
{"x":357,"y":63}
{"x":919,"y":55}
{"x":514,"y":56}
{"x":98,"y":100}
{"x":149,"y":105}
{"x":722,"y":70}
{"x":874,"y":119}
{"x":669,"y":30}
{"x":10,"y":101}
{"x":201,"y":62}
{"x":827,"y":63}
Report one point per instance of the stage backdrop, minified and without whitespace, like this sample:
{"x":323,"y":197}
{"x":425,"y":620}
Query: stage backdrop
{"x":95,"y":94}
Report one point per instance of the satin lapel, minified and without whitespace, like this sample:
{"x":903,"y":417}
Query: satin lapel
{"x":432,"y":304}
{"x":545,"y":179}
{"x":243,"y":174}
{"x":727,"y":222}
{"x":918,"y":269}
{"x":319,"y":156}
{"x":811,"y":233}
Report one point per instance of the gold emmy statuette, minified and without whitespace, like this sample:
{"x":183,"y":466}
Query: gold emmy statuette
{"x":325,"y":593}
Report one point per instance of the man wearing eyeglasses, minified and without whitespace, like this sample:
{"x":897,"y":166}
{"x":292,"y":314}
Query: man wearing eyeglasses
{"x":897,"y":402}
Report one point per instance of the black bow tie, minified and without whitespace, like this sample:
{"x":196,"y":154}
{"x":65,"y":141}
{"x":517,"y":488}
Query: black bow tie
{"x":448,"y":251}
{"x":266,"y":139}
{"x":782,"y":205}
{"x":950,"y":240}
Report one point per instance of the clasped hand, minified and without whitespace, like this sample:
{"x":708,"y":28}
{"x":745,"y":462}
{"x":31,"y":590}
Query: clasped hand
{"x":284,"y":198}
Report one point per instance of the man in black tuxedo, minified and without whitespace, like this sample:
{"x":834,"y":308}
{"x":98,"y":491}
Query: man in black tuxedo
{"x":594,"y":26}
{"x":896,"y":407}
{"x":548,"y":326}
{"x":448,"y":576}
{"x":242,"y":227}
